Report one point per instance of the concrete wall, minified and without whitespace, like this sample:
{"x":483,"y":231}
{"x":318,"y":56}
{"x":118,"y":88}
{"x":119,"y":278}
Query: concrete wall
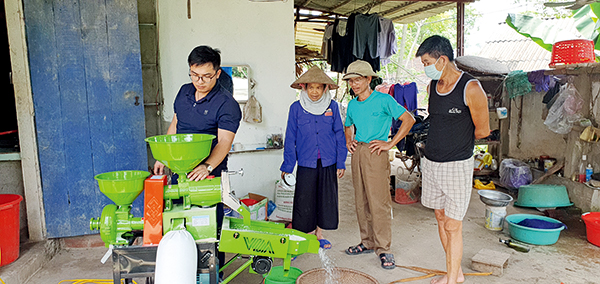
{"x":529,"y":137}
{"x":11,"y":182}
{"x":260,"y":35}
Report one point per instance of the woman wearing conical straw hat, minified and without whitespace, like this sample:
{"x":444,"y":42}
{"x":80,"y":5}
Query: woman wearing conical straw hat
{"x":315,"y":139}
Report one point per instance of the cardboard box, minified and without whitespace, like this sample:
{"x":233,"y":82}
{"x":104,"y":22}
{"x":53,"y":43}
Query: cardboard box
{"x":258,"y":211}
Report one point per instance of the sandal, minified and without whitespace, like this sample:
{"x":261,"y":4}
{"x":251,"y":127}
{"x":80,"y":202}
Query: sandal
{"x":324,"y":244}
{"x":387,"y":258}
{"x":360,"y":248}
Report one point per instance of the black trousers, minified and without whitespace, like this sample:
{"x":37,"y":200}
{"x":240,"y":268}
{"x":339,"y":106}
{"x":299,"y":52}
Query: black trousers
{"x":316,"y":198}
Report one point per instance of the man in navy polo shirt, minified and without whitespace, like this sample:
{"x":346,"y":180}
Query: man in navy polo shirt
{"x":204,"y":106}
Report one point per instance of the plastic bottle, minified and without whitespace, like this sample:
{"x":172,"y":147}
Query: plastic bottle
{"x":589,"y":171}
{"x":516,"y":245}
{"x":582,"y":169}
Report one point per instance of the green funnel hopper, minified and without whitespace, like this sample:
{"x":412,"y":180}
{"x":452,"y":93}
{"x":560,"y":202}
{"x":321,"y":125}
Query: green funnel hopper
{"x":180,"y":152}
{"x":122,"y":187}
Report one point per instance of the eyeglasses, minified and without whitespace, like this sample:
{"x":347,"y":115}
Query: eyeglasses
{"x":355,"y":80}
{"x":195,"y":77}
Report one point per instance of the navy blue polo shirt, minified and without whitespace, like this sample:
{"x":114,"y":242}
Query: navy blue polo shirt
{"x":218,"y":110}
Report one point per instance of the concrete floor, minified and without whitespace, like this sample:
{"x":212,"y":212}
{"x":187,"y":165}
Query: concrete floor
{"x":572,"y":260}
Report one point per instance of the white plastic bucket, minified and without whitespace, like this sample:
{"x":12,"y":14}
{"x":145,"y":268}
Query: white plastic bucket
{"x":494,"y":217}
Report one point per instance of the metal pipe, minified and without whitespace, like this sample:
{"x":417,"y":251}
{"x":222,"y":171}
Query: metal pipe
{"x":238,"y":271}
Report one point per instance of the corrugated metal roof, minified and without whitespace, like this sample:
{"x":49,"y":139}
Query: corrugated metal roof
{"x":402,"y":12}
{"x":310,"y":34}
{"x":519,"y":52}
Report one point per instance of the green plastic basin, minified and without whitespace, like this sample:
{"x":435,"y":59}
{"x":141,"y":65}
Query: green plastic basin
{"x":275,"y":276}
{"x":122,"y":187}
{"x":532,"y":236}
{"x":543,"y":196}
{"x":180,"y":152}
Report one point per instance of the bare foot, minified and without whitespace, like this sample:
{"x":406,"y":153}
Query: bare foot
{"x":444,"y":279}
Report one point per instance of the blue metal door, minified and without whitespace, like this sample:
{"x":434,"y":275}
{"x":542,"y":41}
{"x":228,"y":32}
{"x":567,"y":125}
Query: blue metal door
{"x":86,"y":78}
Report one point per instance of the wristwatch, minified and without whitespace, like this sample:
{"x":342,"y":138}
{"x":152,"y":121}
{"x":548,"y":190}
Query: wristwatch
{"x":209,"y":168}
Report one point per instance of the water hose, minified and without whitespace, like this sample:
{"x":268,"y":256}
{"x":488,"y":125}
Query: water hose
{"x":431,"y":273}
{"x":89,"y":281}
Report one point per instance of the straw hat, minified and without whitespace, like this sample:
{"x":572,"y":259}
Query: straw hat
{"x":359,"y":68}
{"x":314,"y":75}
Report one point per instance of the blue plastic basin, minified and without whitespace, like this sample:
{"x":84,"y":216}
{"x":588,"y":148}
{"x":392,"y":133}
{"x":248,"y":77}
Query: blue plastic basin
{"x":532,"y":235}
{"x":543,"y":196}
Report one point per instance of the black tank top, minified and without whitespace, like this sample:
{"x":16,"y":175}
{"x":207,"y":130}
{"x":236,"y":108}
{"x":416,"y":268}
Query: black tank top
{"x":451,"y":135}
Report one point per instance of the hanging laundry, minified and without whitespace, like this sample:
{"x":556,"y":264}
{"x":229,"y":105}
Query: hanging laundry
{"x":517,"y":84}
{"x":366,"y":33}
{"x":387,"y":44}
{"x":327,"y":42}
{"x":406,"y":95}
{"x":341,"y":54}
{"x":343,"y":41}
{"x":542,"y":82}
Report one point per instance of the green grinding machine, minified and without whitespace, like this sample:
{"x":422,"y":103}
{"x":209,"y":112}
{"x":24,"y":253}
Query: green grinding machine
{"x":261,"y":241}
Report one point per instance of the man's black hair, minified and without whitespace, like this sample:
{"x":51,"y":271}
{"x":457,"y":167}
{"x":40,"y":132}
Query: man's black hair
{"x":436,"y":46}
{"x":205,"y":54}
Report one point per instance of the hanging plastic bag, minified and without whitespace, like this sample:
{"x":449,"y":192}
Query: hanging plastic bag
{"x":253,"y":110}
{"x":564,"y":110}
{"x":514,"y":173}
{"x":284,"y":199}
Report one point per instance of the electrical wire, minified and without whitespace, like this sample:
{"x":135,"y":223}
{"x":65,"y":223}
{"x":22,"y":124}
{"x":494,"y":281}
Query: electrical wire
{"x":89,"y":281}
{"x":2,"y":281}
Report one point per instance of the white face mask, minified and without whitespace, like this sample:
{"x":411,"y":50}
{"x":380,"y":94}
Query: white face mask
{"x":432,"y":72}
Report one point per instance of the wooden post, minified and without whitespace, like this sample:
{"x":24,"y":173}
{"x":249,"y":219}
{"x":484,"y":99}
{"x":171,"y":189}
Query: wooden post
{"x":460,"y":29}
{"x":25,"y":118}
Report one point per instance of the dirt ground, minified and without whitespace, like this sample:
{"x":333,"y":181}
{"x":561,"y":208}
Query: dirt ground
{"x":572,"y":260}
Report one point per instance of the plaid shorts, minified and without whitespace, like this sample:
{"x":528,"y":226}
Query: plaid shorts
{"x":447,"y":186}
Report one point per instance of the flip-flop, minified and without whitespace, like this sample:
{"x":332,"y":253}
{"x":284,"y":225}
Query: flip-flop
{"x":358,"y":249}
{"x":387,"y":258}
{"x":325,"y":244}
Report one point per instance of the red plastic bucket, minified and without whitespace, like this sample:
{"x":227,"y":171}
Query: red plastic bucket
{"x":9,"y":227}
{"x":592,"y":224}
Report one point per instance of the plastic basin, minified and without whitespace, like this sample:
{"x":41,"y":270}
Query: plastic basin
{"x":494,"y":198}
{"x":592,"y":225}
{"x":9,"y":227}
{"x":276,"y":276}
{"x":180,"y":152}
{"x":532,"y":236}
{"x":122,"y":187}
{"x":543,"y":196}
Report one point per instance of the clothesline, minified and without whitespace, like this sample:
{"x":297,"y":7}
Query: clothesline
{"x":409,"y":73}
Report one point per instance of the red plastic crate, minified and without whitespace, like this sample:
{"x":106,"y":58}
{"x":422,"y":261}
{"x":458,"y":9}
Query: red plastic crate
{"x":572,"y":52}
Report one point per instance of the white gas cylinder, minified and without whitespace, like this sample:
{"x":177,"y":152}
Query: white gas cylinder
{"x":176,"y":259}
